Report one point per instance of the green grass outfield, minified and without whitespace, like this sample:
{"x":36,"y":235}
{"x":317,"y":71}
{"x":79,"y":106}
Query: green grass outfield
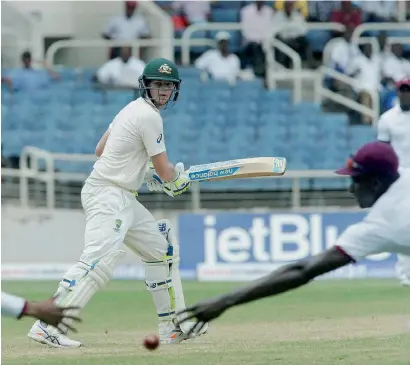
{"x":329,"y":322}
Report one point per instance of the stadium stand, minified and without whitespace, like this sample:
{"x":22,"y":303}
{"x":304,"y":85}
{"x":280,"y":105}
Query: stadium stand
{"x":216,"y":121}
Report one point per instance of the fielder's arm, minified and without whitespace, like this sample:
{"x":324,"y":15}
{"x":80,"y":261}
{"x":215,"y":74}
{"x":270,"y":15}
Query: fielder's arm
{"x":46,"y":311}
{"x":102,"y":142}
{"x":282,"y":280}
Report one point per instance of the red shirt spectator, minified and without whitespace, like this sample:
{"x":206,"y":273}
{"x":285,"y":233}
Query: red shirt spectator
{"x":347,"y":15}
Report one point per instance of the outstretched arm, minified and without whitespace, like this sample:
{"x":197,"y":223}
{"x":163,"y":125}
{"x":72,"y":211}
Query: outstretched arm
{"x":286,"y":278}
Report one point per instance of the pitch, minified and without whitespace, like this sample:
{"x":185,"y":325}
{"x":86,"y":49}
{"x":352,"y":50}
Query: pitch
{"x":332,"y":322}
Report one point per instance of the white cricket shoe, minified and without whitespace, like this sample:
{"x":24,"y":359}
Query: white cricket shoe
{"x":50,"y":336}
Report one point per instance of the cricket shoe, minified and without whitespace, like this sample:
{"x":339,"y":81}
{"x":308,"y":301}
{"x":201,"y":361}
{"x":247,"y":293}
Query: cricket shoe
{"x":50,"y":336}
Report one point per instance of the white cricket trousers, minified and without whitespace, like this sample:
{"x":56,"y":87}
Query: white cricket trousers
{"x":115,"y":217}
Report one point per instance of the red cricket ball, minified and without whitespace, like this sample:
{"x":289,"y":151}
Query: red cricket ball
{"x":151,"y":342}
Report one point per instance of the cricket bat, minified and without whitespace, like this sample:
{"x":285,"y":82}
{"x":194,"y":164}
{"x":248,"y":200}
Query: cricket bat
{"x":238,"y":169}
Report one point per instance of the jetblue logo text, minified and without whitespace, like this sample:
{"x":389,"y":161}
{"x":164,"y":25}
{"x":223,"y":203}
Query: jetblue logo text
{"x":244,"y":246}
{"x":283,"y":238}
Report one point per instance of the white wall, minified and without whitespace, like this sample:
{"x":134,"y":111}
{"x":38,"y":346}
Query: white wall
{"x":50,"y":237}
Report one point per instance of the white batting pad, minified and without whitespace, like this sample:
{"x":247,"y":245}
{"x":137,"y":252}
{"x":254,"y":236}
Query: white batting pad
{"x":96,"y":278}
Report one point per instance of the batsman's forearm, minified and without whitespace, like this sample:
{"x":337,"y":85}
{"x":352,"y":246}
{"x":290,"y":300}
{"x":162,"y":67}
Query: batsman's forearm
{"x":285,"y":279}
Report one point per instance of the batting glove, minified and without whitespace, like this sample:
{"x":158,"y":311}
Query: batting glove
{"x":180,"y":184}
{"x":152,"y":180}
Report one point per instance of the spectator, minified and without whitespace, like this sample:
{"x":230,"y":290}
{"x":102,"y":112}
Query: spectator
{"x":131,"y":25}
{"x":366,"y":70}
{"x":122,"y":71}
{"x":220,"y":63}
{"x":257,"y":26}
{"x":395,"y":67}
{"x":348,"y":15}
{"x":292,"y":29}
{"x":320,"y":11}
{"x":193,"y":11}
{"x":379,"y":11}
{"x":341,"y":57}
{"x":300,"y":5}
{"x":29,"y":78}
{"x":344,"y":51}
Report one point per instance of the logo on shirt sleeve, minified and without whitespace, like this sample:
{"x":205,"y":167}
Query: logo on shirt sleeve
{"x":159,"y":139}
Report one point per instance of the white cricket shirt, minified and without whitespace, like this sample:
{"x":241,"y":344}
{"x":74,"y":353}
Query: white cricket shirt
{"x":221,"y":68}
{"x":123,"y":28}
{"x":120,"y":73}
{"x":369,"y":73}
{"x":136,"y":135}
{"x":386,"y":227}
{"x":396,"y":68}
{"x":394,"y":127}
{"x":256,"y":25}
{"x":11,"y":305}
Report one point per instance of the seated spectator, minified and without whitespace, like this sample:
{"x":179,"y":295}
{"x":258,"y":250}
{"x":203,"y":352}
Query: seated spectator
{"x":257,"y":26}
{"x":122,"y":71}
{"x":220,"y":63}
{"x":366,"y":70}
{"x":344,"y":51}
{"x":347,"y":14}
{"x":291,"y":30}
{"x":193,"y":11}
{"x":341,"y":56}
{"x":395,"y":67}
{"x":131,"y":25}
{"x":379,"y":11}
{"x":320,"y":11}
{"x":300,"y":5}
{"x":27,"y":77}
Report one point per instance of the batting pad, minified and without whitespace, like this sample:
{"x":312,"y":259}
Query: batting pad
{"x":70,"y":279}
{"x":96,"y":278}
{"x":159,"y":282}
{"x":168,"y":232}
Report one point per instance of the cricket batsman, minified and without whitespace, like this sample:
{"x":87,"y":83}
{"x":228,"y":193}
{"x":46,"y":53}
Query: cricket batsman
{"x":376,"y":184}
{"x":115,"y":217}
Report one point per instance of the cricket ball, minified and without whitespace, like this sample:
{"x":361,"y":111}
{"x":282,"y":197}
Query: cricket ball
{"x":151,"y":342}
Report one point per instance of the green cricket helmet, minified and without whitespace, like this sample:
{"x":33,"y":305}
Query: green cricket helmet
{"x":159,"y":69}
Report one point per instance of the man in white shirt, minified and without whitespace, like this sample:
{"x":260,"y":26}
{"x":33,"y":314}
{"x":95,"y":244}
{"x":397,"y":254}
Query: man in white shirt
{"x":220,"y":63}
{"x":291,"y":29}
{"x":366,"y":71}
{"x":46,"y":311}
{"x":395,"y":67}
{"x":379,"y":10}
{"x":132,"y":25}
{"x":122,"y":71}
{"x":394,"y":128}
{"x":194,"y":11}
{"x":377,"y":185}
{"x":344,"y":51}
{"x":341,"y":56}
{"x":114,"y":216}
{"x":257,"y":26}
